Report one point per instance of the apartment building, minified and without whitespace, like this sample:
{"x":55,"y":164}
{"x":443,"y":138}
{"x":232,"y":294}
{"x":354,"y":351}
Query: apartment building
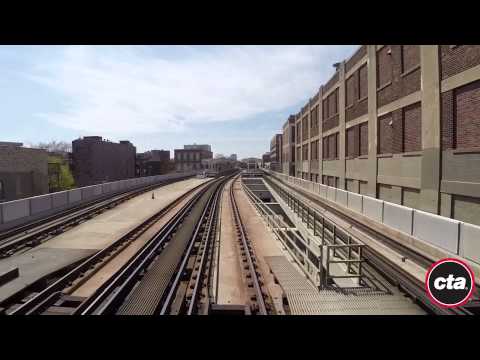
{"x":153,"y":162}
{"x":288,"y":146}
{"x":400,"y":123}
{"x":96,"y":160}
{"x":190,"y":157}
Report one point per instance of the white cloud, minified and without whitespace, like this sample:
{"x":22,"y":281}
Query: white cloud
{"x":134,"y":90}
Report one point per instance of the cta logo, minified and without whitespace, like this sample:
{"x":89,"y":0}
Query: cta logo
{"x":449,"y":283}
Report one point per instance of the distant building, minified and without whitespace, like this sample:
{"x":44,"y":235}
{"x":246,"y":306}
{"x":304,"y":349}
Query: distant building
{"x":197,"y":147}
{"x":233,"y":157}
{"x":190,"y":157}
{"x":276,"y":153}
{"x":154,"y":162}
{"x":250,"y":163}
{"x":288,"y":147}
{"x":23,"y":171}
{"x":216,"y":166}
{"x":266,"y":160}
{"x":96,"y":160}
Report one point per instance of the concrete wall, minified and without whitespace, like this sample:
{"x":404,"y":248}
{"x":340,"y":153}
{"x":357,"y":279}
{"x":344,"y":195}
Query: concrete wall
{"x":23,"y":211}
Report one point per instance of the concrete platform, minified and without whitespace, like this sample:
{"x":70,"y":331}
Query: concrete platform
{"x":37,"y":263}
{"x":105,"y":228}
{"x":89,"y":237}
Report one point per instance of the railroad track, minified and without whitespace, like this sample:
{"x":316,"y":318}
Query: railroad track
{"x":57,"y":298}
{"x":156,"y":281}
{"x":171,"y":274}
{"x":30,"y":235}
{"x":258,"y":300}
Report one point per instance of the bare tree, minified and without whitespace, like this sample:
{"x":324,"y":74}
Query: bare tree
{"x":54,"y":146}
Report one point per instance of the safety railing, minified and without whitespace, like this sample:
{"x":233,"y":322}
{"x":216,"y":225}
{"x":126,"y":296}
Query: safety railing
{"x":340,"y":247}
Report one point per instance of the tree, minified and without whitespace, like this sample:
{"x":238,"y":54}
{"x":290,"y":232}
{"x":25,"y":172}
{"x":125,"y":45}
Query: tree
{"x":59,"y":175}
{"x":54,"y":146}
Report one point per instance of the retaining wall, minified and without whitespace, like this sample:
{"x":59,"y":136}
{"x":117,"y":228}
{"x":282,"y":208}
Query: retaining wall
{"x":452,"y":235}
{"x":19,"y":212}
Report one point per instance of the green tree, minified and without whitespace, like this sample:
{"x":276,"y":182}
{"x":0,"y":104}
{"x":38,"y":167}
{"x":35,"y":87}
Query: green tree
{"x":60,"y":176}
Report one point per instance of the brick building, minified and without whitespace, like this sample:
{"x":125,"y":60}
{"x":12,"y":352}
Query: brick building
{"x":276,"y":152}
{"x":23,"y":171}
{"x":266,"y":159}
{"x":190,"y":157}
{"x":154,"y":162}
{"x":397,"y":122}
{"x":288,"y":146}
{"x":96,"y":161}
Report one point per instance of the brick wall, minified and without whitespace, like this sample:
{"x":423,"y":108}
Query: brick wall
{"x":412,"y":128}
{"x":410,"y":57}
{"x":96,"y":161}
{"x":330,"y":111}
{"x":357,"y":94}
{"x":467,"y":116}
{"x":392,"y":81}
{"x":351,"y":149}
{"x":314,"y":121}
{"x":330,"y":147}
{"x":384,"y":66}
{"x":23,"y":171}
{"x":447,"y":119}
{"x":400,"y":130}
{"x":457,"y":59}
{"x":298,"y":133}
{"x":460,"y":109}
{"x":314,"y":150}
{"x":305,"y":128}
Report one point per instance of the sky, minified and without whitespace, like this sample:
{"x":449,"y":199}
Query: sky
{"x":234,"y":98}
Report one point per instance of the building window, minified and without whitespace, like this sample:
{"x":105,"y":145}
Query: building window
{"x":410,"y":57}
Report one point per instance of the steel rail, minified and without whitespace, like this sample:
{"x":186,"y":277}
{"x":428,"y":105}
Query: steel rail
{"x":43,"y":298}
{"x":19,"y":237}
{"x":210,"y":228}
{"x":210,"y":208}
{"x":112,"y":292}
{"x":238,"y":221}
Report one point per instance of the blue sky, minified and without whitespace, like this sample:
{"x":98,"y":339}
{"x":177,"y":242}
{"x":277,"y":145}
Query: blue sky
{"x":160,"y":97}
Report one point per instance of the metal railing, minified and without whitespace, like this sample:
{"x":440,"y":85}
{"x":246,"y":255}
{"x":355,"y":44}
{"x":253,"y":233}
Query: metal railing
{"x":336,"y":243}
